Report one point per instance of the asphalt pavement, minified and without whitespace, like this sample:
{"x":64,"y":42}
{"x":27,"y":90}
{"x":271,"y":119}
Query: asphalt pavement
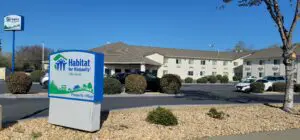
{"x":16,"y":109}
{"x":35,"y":88}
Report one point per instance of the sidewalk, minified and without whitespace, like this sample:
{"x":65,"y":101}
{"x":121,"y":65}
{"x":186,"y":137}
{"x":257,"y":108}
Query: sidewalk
{"x":291,"y":134}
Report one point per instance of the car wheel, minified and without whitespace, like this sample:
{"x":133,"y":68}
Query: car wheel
{"x":45,"y":85}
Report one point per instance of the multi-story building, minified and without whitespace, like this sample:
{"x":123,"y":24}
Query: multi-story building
{"x":268,"y":62}
{"x":120,"y":57}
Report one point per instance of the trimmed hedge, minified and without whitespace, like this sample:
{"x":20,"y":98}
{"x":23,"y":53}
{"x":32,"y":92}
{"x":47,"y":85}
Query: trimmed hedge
{"x":36,"y":75}
{"x":170,"y":84}
{"x":236,"y":78}
{"x":162,"y":116}
{"x":219,"y":77}
{"x":278,"y":86}
{"x":112,"y":86}
{"x":257,"y":87}
{"x":212,"y":79}
{"x":202,"y":80}
{"x":135,"y":84}
{"x":18,"y":83}
{"x":224,"y":79}
{"x":188,"y":80}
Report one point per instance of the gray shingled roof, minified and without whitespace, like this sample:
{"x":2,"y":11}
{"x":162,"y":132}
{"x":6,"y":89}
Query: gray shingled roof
{"x":123,"y":53}
{"x":273,"y":52}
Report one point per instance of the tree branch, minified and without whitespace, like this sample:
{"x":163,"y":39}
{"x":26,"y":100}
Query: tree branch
{"x":274,"y":11}
{"x":294,"y":23}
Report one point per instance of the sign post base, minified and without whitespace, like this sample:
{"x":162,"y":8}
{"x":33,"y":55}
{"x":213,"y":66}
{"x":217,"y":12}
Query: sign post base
{"x":75,"y":114}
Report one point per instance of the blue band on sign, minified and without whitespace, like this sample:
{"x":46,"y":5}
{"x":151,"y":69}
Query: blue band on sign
{"x":76,"y":75}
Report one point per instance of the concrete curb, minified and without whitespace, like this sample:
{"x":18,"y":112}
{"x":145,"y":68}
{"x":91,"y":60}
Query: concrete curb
{"x":272,"y":93}
{"x":208,"y":83}
{"x":21,"y":96}
{"x":44,"y":95}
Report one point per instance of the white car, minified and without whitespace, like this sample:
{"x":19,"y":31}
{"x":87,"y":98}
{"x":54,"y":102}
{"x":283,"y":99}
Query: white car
{"x":44,"y":81}
{"x":244,"y":85}
{"x":268,"y":84}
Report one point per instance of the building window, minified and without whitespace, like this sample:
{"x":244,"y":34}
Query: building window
{"x":276,"y":74}
{"x":214,"y":62}
{"x":165,"y":60}
{"x":202,"y":62}
{"x":235,"y":63}
{"x":214,"y":73}
{"x":225,"y":63}
{"x":276,"y":61}
{"x":127,"y":70}
{"x":165,"y":72}
{"x":248,"y":63}
{"x":248,"y":74}
{"x":118,"y":70}
{"x":107,"y":72}
{"x":178,"y":61}
{"x":261,"y":74}
{"x":202,"y":73}
{"x":225,"y":73}
{"x":261,"y":62}
{"x":191,"y":61}
{"x":190,"y":73}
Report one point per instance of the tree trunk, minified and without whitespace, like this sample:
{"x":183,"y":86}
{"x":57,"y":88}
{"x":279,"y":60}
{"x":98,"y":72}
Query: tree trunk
{"x":289,"y":91}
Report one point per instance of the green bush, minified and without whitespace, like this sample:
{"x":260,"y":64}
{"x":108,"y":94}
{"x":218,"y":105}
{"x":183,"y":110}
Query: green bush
{"x":297,"y":87}
{"x":36,"y":75}
{"x":217,"y":114}
{"x":236,"y":78}
{"x":135,"y":84}
{"x":224,"y":79}
{"x":202,"y":80}
{"x":279,"y":86}
{"x":212,"y":79}
{"x":170,"y":84}
{"x":162,"y":116}
{"x":112,"y":86}
{"x":257,"y":87}
{"x":219,"y":77}
{"x":188,"y":80}
{"x":18,"y":83}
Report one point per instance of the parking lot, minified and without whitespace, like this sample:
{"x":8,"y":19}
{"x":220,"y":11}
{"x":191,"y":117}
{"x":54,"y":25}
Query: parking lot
{"x":35,"y":88}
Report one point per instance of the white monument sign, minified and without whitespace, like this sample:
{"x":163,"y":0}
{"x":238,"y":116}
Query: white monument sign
{"x":76,"y":89}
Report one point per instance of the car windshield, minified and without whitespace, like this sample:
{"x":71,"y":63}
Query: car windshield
{"x":270,"y":78}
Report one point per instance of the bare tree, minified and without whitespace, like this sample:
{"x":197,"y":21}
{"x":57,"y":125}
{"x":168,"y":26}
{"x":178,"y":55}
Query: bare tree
{"x":240,"y":47}
{"x":286,"y":34}
{"x":30,"y":57}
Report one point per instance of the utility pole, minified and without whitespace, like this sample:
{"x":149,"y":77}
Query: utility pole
{"x":43,"y":55}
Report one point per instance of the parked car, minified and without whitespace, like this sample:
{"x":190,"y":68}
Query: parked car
{"x":44,"y":80}
{"x":152,"y":81}
{"x":244,"y":86}
{"x":275,"y":78}
{"x":268,"y":84}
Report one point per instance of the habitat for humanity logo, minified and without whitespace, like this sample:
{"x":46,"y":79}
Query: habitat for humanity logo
{"x":79,"y":65}
{"x":60,"y":62}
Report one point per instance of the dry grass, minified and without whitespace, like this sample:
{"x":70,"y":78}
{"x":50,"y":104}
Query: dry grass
{"x":193,"y":123}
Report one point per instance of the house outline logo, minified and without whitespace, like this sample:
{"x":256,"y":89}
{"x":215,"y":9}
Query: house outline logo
{"x":60,"y":62}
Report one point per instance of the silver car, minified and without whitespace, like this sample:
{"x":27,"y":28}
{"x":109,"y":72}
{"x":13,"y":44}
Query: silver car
{"x":44,"y":80}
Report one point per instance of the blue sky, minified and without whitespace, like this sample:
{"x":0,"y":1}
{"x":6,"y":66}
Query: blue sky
{"x":190,"y":24}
